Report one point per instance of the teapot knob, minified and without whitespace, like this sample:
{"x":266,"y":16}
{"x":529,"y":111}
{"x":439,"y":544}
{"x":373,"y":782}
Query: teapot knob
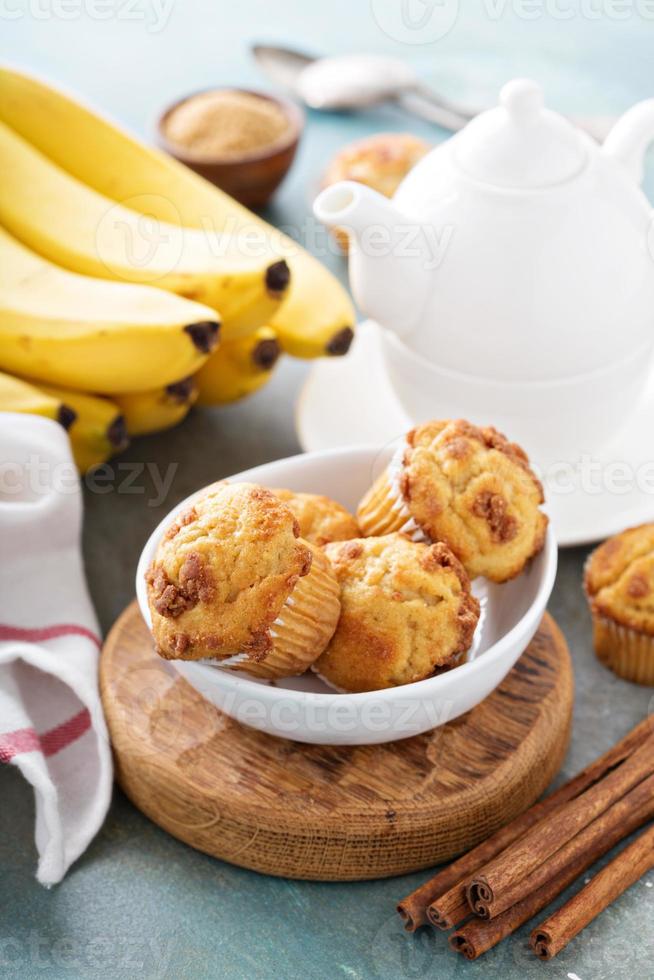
{"x":523,"y":99}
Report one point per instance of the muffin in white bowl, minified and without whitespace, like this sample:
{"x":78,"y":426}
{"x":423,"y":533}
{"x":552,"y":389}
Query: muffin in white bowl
{"x":304,"y":708}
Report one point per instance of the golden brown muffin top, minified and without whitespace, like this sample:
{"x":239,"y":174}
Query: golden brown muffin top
{"x":471,"y":487}
{"x":380,"y":161}
{"x":619,"y":578}
{"x":321,"y":519}
{"x":406,"y":612}
{"x":222,"y":573}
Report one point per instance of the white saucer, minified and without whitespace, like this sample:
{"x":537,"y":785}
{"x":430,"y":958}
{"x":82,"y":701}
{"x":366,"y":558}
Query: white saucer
{"x":348,"y":401}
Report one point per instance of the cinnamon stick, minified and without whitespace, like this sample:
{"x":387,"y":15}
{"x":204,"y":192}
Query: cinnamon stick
{"x":477,"y":936}
{"x":620,"y":874}
{"x":450,"y":910}
{"x":442,"y":900}
{"x":590,"y":839}
{"x":496,"y":886}
{"x":413,"y":909}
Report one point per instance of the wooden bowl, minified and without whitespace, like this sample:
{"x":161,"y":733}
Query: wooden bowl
{"x":252,"y":178}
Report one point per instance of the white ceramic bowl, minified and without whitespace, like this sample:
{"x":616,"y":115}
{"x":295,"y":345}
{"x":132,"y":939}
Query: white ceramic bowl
{"x":307,"y":710}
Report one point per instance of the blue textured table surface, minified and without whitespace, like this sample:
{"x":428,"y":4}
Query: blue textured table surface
{"x":139,"y":902}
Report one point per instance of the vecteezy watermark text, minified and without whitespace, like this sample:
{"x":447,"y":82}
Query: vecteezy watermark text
{"x":154,"y":14}
{"x":36,"y":951}
{"x":142,"y":234}
{"x":591,"y":477}
{"x":427,"y":21}
{"x":568,"y":9}
{"x":36,"y":477}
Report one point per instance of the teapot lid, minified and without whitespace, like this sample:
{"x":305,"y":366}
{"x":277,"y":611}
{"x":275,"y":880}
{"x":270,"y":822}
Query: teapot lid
{"x":521,"y":144}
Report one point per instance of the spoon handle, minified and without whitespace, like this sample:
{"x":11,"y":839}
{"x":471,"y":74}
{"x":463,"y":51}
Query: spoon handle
{"x":422,"y":102}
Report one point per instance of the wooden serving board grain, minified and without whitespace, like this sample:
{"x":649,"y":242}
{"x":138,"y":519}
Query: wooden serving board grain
{"x":324,"y":812}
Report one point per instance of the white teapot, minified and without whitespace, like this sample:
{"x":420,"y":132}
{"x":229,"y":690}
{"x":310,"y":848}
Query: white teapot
{"x":513,"y":274}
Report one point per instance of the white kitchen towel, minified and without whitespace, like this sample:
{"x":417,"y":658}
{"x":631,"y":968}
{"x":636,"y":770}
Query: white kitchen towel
{"x":51,"y":722}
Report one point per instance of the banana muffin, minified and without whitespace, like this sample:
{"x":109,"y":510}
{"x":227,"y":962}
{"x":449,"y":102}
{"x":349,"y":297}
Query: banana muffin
{"x":468,"y":486}
{"x":406,"y":613}
{"x":233,"y":583}
{"x":321,"y":519}
{"x":619,"y":584}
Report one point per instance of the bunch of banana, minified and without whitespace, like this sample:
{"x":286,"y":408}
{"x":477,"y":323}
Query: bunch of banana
{"x":317,"y":316}
{"x":118,"y":269}
{"x":95,"y":335}
{"x":69,"y":223}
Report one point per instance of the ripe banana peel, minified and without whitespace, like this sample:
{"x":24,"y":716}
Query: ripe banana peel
{"x":94,"y":335}
{"x":98,"y":431}
{"x":80,"y":229}
{"x":17,"y":395}
{"x":316,"y":316}
{"x":238,"y":368}
{"x":153,"y":411}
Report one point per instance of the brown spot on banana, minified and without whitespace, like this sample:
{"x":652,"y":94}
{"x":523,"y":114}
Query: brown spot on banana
{"x":66,"y":416}
{"x":180,"y":391}
{"x":266,"y":353}
{"x":340,"y":342}
{"x":117,"y":434}
{"x":204,"y":335}
{"x":278,"y":276}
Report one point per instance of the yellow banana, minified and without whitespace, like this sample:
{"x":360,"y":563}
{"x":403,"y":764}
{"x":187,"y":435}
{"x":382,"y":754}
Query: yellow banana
{"x":91,"y":334}
{"x":69,"y":223}
{"x":315,"y":318}
{"x":17,"y":395}
{"x":240,"y":368}
{"x":98,"y":431}
{"x":152,"y":411}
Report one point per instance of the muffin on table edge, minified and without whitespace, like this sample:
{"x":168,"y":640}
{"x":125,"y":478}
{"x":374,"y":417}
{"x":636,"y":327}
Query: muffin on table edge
{"x":619,"y":585}
{"x":233,"y":583}
{"x":465,"y":485}
{"x":320,"y":519}
{"x":407,"y":613}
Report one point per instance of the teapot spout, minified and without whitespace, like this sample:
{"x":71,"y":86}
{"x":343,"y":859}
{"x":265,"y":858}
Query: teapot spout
{"x":628,"y":140}
{"x":389,"y":265}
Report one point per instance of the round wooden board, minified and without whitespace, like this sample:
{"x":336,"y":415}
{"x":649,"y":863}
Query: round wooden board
{"x":324,"y":812}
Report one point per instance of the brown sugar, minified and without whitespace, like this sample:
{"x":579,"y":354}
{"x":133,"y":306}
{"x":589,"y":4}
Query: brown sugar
{"x":225,"y":123}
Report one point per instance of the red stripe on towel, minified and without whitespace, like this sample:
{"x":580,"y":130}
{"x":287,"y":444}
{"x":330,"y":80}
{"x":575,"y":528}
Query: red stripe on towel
{"x":58,"y":738}
{"x":24,"y":740}
{"x":42,"y":633}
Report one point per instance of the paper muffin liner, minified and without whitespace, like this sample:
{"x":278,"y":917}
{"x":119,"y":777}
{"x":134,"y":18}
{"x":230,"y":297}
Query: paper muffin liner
{"x":627,"y":652}
{"x":383,"y":509}
{"x":304,"y":627}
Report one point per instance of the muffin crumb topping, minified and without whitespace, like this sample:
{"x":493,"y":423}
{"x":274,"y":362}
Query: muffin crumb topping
{"x":493,"y":508}
{"x":619,"y":578}
{"x":223,"y":572}
{"x":468,"y":486}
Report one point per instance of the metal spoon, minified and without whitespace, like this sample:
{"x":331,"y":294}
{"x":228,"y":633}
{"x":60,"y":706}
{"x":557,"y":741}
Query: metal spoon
{"x":358,"y":81}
